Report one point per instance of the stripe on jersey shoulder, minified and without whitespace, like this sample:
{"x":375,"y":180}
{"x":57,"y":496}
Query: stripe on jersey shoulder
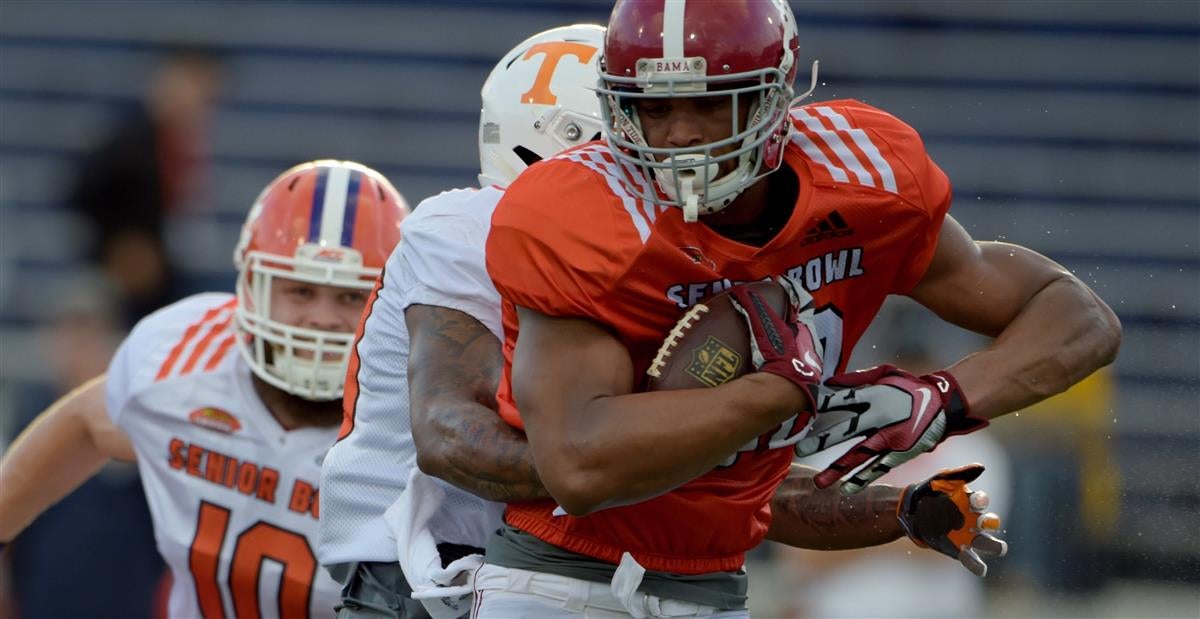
{"x":593,"y":159}
{"x":354,"y":364}
{"x":222,"y":350}
{"x":852,"y":149}
{"x":864,"y":143}
{"x":833,"y":141}
{"x":202,"y":346}
{"x":212,"y":324}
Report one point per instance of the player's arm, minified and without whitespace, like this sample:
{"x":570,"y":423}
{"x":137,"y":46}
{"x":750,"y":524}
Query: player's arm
{"x":453,"y":370}
{"x":1051,"y":330}
{"x":805,"y":516}
{"x":61,"y":449}
{"x":940,"y":513}
{"x":596,"y":444}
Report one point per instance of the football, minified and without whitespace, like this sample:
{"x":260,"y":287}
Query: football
{"x":710,"y":344}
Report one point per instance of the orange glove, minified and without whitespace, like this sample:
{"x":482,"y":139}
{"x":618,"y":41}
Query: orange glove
{"x":942,"y":513}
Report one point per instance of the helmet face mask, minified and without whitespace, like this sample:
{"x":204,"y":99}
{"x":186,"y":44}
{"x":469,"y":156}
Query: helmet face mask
{"x":539,"y":100}
{"x":310,"y":363}
{"x":704,"y":49}
{"x":327,"y":223}
{"x":692,"y":171}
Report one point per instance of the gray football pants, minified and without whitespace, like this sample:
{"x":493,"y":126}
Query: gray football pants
{"x":375,"y":591}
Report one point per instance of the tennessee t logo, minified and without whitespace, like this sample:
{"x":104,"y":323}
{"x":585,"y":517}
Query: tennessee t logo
{"x":554,"y":51}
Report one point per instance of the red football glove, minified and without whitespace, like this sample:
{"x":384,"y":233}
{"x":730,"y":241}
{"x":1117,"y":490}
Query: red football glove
{"x":782,"y":345}
{"x":901,"y":415}
{"x":942,"y":513}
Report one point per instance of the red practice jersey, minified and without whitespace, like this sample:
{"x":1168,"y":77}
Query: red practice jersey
{"x":571,"y":238}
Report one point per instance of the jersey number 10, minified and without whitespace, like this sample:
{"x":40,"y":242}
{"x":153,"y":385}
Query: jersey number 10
{"x":261,"y":541}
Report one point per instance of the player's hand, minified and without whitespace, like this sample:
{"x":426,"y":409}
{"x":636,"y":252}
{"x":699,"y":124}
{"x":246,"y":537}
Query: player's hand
{"x":942,"y":513}
{"x":901,"y":416}
{"x":783,"y":345}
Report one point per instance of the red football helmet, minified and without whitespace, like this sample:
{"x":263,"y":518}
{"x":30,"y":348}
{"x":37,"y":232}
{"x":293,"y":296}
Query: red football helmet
{"x":325,"y":222}
{"x":661,"y":49}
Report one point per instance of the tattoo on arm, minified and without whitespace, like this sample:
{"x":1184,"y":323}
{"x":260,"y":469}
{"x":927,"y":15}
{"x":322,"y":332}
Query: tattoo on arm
{"x":454,"y":369}
{"x":805,"y":517}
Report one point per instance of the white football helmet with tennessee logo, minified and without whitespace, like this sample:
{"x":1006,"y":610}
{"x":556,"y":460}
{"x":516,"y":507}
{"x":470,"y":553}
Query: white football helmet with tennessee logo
{"x":539,"y":100}
{"x":324,"y":222}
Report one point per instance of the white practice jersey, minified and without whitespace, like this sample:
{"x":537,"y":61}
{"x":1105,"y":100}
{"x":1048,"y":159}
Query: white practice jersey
{"x":440,"y":261}
{"x":232,"y":494}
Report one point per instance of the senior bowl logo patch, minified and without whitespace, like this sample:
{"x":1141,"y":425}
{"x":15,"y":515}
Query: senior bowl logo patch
{"x":215,"y":419}
{"x":714,"y":363}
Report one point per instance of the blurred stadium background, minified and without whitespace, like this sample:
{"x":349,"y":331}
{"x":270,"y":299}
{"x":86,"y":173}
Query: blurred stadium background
{"x":1070,"y":127}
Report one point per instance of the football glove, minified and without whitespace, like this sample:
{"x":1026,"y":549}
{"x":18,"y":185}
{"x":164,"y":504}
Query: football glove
{"x":901,"y":416}
{"x":942,"y":513}
{"x":782,"y":345}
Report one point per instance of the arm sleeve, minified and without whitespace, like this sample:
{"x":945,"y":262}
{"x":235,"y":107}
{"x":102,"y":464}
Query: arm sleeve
{"x":558,"y":243}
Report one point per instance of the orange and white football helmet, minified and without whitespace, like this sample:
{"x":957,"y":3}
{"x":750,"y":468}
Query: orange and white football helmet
{"x":539,"y":100}
{"x":324,"y":222}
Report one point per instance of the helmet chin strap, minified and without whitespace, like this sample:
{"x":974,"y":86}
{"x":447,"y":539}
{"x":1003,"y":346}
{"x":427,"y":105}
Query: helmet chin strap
{"x":812,"y":85}
{"x":691,"y":206}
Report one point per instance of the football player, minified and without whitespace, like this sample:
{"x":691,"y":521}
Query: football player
{"x":228,"y":402}
{"x":438,"y":308}
{"x":711,"y":175}
{"x":537,"y":101}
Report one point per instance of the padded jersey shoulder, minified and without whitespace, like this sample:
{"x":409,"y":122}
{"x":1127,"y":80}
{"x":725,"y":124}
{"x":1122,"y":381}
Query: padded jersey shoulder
{"x":193,"y":335}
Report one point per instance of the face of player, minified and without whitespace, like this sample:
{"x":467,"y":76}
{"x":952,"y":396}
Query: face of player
{"x":690,"y":122}
{"x":316,"y":306}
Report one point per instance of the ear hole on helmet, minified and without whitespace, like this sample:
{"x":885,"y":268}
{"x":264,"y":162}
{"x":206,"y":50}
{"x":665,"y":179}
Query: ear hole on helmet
{"x":526,"y":155}
{"x":595,"y":137}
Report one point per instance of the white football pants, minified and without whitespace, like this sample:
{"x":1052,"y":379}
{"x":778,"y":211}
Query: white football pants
{"x":504,"y":593}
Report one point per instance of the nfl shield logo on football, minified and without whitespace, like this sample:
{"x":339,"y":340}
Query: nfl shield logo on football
{"x":714,"y":363}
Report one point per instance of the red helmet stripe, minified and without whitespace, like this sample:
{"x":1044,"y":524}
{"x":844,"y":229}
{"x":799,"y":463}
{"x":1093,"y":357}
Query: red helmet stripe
{"x":673,"y":34}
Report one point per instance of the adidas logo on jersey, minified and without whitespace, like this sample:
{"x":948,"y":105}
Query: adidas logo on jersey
{"x":831,"y":227}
